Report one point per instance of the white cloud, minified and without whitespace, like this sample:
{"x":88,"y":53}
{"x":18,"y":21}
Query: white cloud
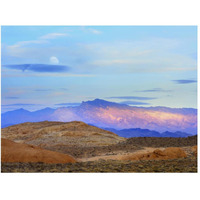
{"x":53,"y":60}
{"x":53,"y":36}
{"x":152,"y":55}
{"x":94,"y":31}
{"x":25,"y":43}
{"x":90,"y":30}
{"x":41,"y":40}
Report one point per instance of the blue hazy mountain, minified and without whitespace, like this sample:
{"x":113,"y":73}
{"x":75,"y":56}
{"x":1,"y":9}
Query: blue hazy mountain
{"x":21,"y":115}
{"x":138,"y":132}
{"x":107,"y":114}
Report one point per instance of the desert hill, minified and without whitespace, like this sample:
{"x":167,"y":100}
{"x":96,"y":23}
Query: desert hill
{"x":50,"y":134}
{"x":16,"y":152}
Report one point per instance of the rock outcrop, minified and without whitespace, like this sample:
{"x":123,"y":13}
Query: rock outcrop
{"x":194,"y":149}
{"x":16,"y":152}
{"x":168,"y":153}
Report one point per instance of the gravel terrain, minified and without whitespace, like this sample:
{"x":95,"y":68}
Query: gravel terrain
{"x":188,"y":164}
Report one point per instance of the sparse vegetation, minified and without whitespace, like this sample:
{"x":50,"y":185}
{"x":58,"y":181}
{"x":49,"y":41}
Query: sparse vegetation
{"x":188,"y":164}
{"x":161,"y":142}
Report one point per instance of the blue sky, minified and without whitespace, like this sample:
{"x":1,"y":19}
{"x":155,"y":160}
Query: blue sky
{"x":139,"y":65}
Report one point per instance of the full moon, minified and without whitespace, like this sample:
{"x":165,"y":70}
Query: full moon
{"x":54,"y":60}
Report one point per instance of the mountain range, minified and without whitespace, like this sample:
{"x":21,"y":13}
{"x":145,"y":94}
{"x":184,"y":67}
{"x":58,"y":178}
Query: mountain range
{"x":138,"y":132}
{"x":112,"y":115}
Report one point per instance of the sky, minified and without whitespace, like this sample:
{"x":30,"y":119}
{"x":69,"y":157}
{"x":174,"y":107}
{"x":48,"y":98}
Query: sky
{"x":54,"y":66}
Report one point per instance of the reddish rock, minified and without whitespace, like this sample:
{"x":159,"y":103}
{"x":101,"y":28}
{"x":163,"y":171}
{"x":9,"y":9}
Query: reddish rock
{"x":17,"y":152}
{"x":194,"y":149}
{"x":168,"y":153}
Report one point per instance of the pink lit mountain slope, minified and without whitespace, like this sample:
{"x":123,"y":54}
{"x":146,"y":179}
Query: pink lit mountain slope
{"x":113,"y":115}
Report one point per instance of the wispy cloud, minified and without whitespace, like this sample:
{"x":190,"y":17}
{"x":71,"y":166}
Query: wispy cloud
{"x":65,"y":89}
{"x":11,"y":97}
{"x":43,"y":90}
{"x":57,"y":94}
{"x":132,"y":97}
{"x":154,"y":55}
{"x":50,"y":90}
{"x":91,"y":30}
{"x":53,"y":36}
{"x":24,"y":43}
{"x":41,"y":40}
{"x":184,"y":81}
{"x":134,"y":103}
{"x":18,"y":104}
{"x":154,"y":90}
{"x":68,"y":104}
{"x":94,"y":31}
{"x":39,"y":68}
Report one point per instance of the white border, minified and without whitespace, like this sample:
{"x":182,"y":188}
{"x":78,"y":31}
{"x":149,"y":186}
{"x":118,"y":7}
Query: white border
{"x":100,"y":186}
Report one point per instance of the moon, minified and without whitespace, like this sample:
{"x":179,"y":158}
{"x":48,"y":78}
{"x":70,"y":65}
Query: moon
{"x":53,"y":60}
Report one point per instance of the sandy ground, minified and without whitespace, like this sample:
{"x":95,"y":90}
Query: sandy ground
{"x":118,"y":155}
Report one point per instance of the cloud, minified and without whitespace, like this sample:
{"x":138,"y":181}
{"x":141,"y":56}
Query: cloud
{"x":90,"y":30}
{"x":133,"y":97}
{"x":43,"y":90}
{"x":67,"y":104}
{"x":24,"y":43}
{"x":57,"y":94}
{"x":53,"y":60}
{"x":11,"y":97}
{"x":18,"y":104}
{"x":39,"y":68}
{"x":41,"y":40}
{"x":134,"y":103}
{"x":153,"y":55}
{"x":50,"y":90}
{"x":185,"y":81}
{"x":65,"y":89}
{"x":94,"y":31}
{"x":53,"y":36}
{"x":155,"y":90}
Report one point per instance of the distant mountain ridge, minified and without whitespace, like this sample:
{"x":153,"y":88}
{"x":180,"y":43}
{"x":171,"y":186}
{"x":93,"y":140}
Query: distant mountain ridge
{"x":107,"y":114}
{"x":103,"y":104}
{"x":21,"y":115}
{"x":138,"y":132}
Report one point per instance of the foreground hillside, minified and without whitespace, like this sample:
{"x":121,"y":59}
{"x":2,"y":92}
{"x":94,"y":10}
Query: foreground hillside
{"x":58,"y":134}
{"x":32,"y":147}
